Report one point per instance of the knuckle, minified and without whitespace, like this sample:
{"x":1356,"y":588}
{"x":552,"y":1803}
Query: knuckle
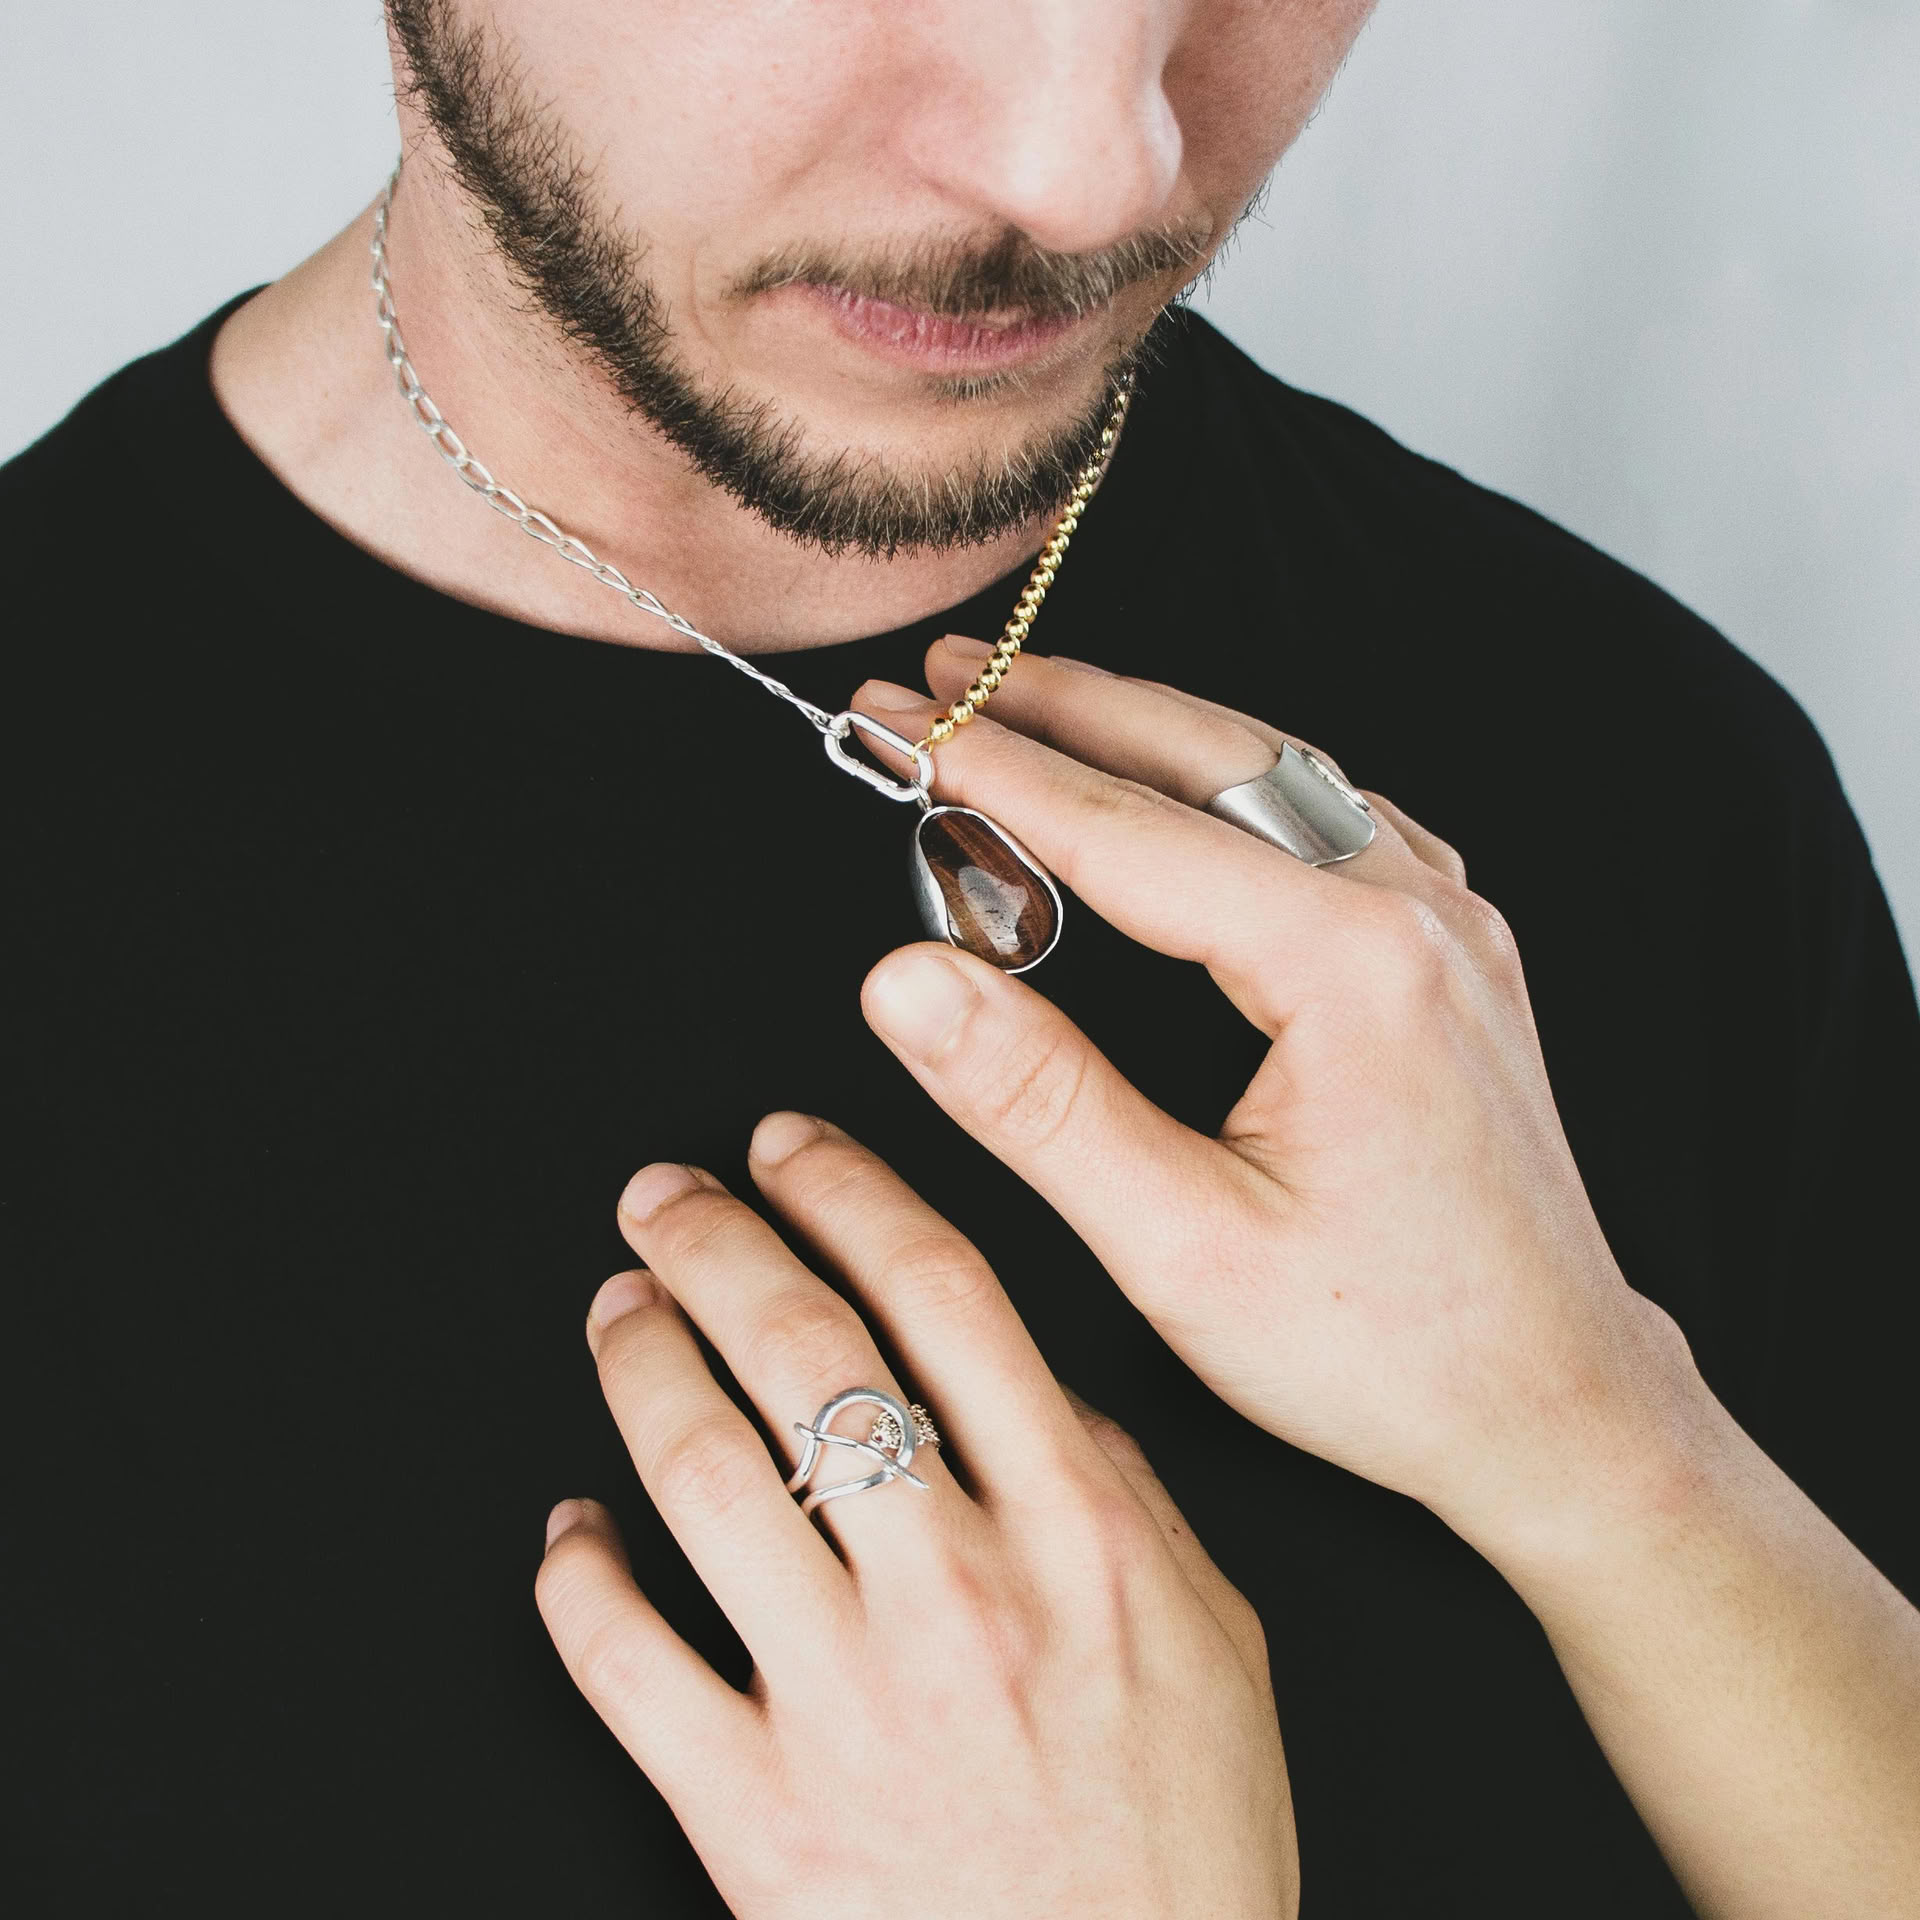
{"x":1114,"y":1440}
{"x":1247,"y":1619}
{"x":1120,"y":804}
{"x":707,"y":1469}
{"x":1036,"y":1086}
{"x":1117,"y":1546}
{"x":1408,"y":950}
{"x":1492,"y":935}
{"x":1453,"y":862}
{"x":940,"y":1273}
{"x":833,"y":1170}
{"x":695,"y":1224}
{"x":1124,"y":799}
{"x":1117,"y":1520}
{"x":1247,"y":1629}
{"x":808,"y":1334}
{"x":609,"y":1667}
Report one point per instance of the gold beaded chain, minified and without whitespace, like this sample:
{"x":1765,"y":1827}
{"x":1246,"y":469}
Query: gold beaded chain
{"x":1027,"y":607}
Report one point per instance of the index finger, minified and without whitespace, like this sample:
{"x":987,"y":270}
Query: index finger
{"x":1183,"y":882}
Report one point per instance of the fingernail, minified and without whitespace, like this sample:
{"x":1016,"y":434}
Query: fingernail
{"x":652,"y":1187}
{"x":889,"y":698}
{"x":625,"y":1293}
{"x":563,"y":1519}
{"x":916,"y":999}
{"x":965,"y":647}
{"x":781,"y":1135}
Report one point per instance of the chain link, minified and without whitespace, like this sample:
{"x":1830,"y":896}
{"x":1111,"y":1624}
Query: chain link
{"x":536,"y":525}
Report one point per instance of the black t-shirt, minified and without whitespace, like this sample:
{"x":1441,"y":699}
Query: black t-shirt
{"x":362,"y":944}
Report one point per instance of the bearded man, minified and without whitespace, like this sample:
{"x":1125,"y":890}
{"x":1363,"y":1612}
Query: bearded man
{"x":1531,"y":1355}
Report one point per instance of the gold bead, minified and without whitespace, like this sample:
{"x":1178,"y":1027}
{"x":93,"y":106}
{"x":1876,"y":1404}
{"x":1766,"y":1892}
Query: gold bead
{"x":962,"y":714}
{"x":1012,"y":646}
{"x":1019,"y":629}
{"x":977,"y":696}
{"x":940,"y":732}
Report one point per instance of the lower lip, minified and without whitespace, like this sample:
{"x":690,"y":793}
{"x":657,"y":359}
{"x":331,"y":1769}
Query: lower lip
{"x":934,"y":343}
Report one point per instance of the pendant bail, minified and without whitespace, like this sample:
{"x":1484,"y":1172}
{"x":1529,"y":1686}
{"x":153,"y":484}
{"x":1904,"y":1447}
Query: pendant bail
{"x":919,"y":788}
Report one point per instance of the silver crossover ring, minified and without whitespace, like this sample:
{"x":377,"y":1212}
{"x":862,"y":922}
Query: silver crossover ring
{"x":895,"y":1435}
{"x":1301,"y":805}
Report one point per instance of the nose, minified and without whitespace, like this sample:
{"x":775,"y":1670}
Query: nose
{"x":1049,"y":115}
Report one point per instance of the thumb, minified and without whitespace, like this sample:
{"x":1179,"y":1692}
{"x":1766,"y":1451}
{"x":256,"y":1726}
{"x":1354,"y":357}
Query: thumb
{"x":1137,"y":1186}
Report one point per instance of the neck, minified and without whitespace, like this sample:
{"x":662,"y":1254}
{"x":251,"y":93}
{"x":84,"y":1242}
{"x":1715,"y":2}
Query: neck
{"x":301,"y":372}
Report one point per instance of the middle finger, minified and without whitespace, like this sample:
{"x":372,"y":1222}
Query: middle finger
{"x":789,"y":1340}
{"x":940,"y":1306}
{"x":1187,"y":748}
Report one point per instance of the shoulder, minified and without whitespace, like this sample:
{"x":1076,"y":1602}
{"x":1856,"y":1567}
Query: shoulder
{"x":112,"y":524}
{"x":125,"y":461}
{"x":101,"y":450}
{"x":120,"y":535}
{"x":1484,"y":615}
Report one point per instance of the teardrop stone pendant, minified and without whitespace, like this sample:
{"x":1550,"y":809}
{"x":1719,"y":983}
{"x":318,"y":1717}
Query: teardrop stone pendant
{"x":979,"y":888}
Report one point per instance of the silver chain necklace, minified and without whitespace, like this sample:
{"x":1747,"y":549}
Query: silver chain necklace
{"x":976,"y":886}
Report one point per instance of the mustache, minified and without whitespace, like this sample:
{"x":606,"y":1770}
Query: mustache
{"x":1011,"y":274}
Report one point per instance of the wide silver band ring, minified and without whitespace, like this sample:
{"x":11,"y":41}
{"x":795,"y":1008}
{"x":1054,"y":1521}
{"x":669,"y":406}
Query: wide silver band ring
{"x":897,"y":1432}
{"x":1302,"y":806}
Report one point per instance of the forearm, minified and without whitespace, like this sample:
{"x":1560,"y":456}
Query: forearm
{"x":1754,"y":1682}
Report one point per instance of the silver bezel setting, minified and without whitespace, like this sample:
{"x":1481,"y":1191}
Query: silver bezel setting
{"x":932,"y":902}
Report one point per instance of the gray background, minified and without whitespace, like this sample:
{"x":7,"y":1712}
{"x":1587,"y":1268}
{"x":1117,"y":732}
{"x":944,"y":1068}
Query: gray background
{"x":1653,"y":266}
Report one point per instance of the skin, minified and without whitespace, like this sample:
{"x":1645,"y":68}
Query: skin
{"x":1393,"y":1201}
{"x":1046,"y":1655}
{"x":718,"y":135}
{"x":1388,"y":1258}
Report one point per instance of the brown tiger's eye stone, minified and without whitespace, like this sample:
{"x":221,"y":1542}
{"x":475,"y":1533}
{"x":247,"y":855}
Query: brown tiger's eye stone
{"x":981,"y":891}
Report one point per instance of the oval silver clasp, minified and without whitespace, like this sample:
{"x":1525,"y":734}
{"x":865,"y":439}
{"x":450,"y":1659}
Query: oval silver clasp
{"x":918,"y":788}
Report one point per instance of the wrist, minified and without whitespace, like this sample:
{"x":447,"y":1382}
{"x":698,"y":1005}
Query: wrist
{"x":1624,"y":1470}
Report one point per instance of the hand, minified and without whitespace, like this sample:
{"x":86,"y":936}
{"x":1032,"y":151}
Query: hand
{"x":1387,"y":1257}
{"x":1029,"y":1695}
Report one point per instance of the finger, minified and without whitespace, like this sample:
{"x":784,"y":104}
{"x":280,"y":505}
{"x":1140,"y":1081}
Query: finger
{"x":790,"y":1340}
{"x":711,"y":1476}
{"x":1150,"y":1197}
{"x":1184,"y":747}
{"x":925,"y":1286}
{"x":1223,"y":1599}
{"x":1443,"y":858}
{"x":1266,"y":926}
{"x":1427,"y":845}
{"x":685,"y":1727}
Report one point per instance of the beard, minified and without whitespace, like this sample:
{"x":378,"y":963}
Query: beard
{"x":517,"y":164}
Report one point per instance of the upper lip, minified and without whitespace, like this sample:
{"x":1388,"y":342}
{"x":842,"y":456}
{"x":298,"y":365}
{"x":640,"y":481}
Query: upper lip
{"x":991,"y":320}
